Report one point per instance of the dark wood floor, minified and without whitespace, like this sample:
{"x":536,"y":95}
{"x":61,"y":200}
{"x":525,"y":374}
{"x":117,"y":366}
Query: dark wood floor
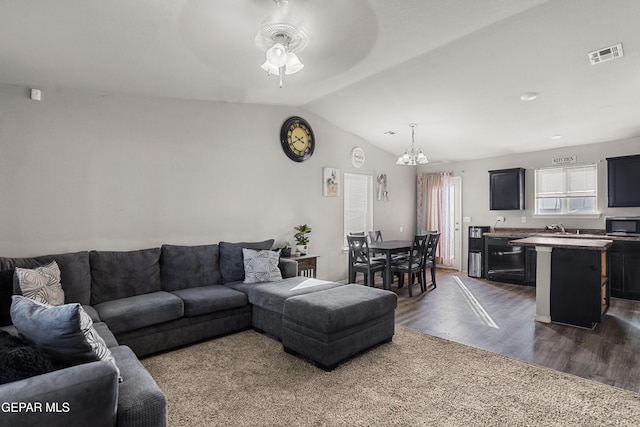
{"x":498,"y":317}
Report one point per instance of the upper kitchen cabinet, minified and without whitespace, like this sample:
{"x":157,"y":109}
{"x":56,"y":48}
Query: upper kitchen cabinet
{"x":623,"y":176}
{"x":506,"y":189}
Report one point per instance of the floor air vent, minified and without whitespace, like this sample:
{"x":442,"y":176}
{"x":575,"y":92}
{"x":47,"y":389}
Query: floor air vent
{"x":606,"y":54}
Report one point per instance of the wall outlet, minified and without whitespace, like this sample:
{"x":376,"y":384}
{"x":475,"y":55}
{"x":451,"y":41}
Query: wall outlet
{"x":524,"y":219}
{"x":401,"y":229}
{"x":500,"y":219}
{"x":466,"y":219}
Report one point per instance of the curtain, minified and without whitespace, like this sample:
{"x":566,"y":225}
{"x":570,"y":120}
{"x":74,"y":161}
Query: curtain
{"x":435,"y":211}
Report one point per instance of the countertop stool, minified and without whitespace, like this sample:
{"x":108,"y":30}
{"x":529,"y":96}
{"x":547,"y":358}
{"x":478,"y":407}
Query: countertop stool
{"x":330,"y":326}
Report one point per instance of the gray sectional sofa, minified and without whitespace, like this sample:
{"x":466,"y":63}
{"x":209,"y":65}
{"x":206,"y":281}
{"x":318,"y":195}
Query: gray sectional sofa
{"x":141,"y":302}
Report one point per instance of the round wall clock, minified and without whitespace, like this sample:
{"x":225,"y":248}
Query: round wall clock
{"x":297,"y":139}
{"x":357,"y":157}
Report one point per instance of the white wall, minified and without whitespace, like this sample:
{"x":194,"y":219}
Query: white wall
{"x":83,"y":170}
{"x":475,"y":185}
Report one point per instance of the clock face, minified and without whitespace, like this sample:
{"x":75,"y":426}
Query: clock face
{"x":297,"y":139}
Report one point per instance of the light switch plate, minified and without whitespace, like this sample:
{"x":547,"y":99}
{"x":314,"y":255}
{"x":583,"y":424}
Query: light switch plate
{"x":466,"y":219}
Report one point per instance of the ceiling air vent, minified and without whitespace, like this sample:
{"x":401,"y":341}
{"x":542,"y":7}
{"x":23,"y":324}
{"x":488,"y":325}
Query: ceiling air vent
{"x":606,"y":54}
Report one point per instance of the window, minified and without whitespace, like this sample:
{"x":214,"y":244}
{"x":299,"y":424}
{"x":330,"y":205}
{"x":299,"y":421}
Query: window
{"x":358,"y":204}
{"x":570,"y":190}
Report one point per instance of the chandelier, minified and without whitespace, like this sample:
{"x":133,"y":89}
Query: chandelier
{"x":281,"y":40}
{"x":412,"y":156}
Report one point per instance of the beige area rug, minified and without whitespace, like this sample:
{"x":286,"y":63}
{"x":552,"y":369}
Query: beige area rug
{"x":246,"y":379}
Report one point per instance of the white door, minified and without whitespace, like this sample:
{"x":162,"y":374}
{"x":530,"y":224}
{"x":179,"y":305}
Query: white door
{"x":456,"y":222}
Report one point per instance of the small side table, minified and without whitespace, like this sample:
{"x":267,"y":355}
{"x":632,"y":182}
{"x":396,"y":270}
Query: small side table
{"x":307,"y":265}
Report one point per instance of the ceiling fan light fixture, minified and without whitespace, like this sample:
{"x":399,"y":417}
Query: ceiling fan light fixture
{"x":280,"y":41}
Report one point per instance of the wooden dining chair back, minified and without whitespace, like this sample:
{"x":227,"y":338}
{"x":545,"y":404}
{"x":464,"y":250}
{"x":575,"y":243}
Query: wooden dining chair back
{"x":360,"y":261}
{"x":375,"y":236}
{"x":429,"y":260}
{"x":413,"y":263}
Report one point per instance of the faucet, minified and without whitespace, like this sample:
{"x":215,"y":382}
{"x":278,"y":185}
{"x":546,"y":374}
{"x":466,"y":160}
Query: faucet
{"x":556,"y":227}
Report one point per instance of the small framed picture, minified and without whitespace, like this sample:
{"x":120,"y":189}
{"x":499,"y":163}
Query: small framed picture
{"x":330,"y":182}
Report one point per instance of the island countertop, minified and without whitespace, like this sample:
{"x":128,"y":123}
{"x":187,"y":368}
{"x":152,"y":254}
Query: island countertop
{"x":564,"y":242}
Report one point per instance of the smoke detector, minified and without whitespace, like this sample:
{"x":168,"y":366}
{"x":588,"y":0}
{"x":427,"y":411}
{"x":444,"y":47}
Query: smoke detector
{"x":606,"y":54}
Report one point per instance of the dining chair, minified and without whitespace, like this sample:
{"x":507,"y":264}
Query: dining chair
{"x":412,"y":265}
{"x":360,"y":261}
{"x":375,"y":236}
{"x":429,"y":260}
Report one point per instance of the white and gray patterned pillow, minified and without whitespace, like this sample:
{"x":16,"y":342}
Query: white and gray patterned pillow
{"x":261,"y":266}
{"x":42,"y":284}
{"x":64,"y":332}
{"x":96,"y":342}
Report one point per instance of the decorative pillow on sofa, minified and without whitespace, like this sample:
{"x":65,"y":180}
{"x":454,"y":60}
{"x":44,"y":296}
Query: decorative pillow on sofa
{"x":65,"y":333}
{"x":232,"y":261}
{"x":261,"y":266}
{"x":41,"y":284}
{"x":19,"y":360}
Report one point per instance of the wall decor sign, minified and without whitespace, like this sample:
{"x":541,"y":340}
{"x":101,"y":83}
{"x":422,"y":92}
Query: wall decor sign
{"x":563,"y":160}
{"x":330,"y":182}
{"x":357,"y":157}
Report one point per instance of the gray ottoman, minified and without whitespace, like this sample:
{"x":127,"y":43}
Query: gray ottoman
{"x":330,"y":326}
{"x":268,"y":300}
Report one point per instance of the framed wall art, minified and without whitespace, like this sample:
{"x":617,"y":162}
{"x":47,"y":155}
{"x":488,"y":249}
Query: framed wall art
{"x":330,"y":182}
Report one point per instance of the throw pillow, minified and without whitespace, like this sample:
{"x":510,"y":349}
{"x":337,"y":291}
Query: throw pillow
{"x":261,"y":266}
{"x":19,"y":360}
{"x":42,"y":284}
{"x":65,"y":332}
{"x":231,"y":259}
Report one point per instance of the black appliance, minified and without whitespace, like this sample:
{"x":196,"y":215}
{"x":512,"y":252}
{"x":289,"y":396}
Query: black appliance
{"x":475,"y":266}
{"x":622,"y":226}
{"x":504,"y":263}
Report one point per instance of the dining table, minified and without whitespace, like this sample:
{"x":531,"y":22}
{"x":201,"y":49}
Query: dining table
{"x":389,"y":248}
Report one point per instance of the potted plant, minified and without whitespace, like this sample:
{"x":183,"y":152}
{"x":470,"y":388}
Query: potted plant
{"x":286,"y":250}
{"x":302,"y":240}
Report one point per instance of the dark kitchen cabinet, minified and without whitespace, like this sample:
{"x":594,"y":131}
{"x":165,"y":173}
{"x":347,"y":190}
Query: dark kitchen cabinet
{"x":623,"y":175}
{"x":506,"y":189}
{"x":624,"y":269}
{"x":579,"y":292}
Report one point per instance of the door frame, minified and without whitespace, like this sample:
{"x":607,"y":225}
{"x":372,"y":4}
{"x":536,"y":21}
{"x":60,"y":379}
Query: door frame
{"x":456,"y":182}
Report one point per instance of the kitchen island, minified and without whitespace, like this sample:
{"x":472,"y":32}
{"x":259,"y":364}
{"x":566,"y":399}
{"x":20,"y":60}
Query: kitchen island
{"x":571,"y":279}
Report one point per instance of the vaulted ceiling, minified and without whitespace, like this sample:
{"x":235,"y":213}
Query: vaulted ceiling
{"x":456,"y":68}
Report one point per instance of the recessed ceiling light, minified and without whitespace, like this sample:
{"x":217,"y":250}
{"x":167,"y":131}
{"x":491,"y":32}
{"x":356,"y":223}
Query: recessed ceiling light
{"x":529,"y":96}
{"x":556,"y":137}
{"x":389,"y":132}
